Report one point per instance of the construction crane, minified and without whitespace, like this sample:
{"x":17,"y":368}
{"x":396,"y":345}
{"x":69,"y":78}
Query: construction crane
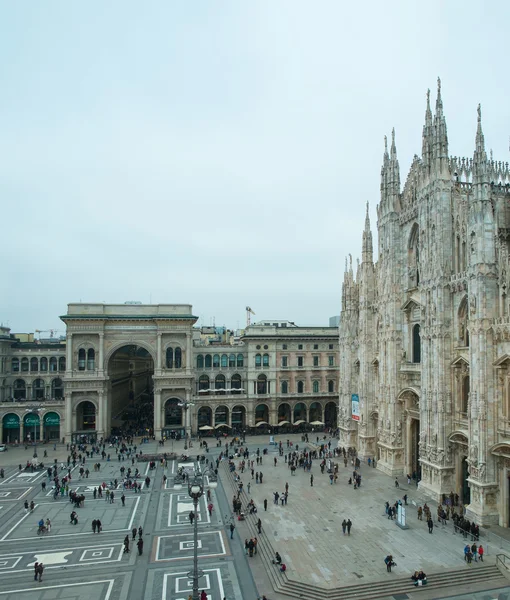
{"x":50,"y":331}
{"x":249,"y":312}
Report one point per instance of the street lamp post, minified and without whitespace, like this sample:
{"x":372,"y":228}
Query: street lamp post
{"x":186,"y":405}
{"x":36,"y":410}
{"x":196,"y":488}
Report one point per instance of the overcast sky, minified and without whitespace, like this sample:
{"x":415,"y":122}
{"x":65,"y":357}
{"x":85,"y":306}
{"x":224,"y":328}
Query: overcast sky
{"x":220,"y":153}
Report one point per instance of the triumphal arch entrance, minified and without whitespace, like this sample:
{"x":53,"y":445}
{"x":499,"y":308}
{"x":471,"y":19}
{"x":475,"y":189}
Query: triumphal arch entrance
{"x":125,"y":363}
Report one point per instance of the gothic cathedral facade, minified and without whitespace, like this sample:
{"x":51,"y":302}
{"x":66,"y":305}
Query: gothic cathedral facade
{"x":425,"y":330}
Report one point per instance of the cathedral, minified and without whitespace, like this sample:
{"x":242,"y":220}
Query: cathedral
{"x":425,"y":329}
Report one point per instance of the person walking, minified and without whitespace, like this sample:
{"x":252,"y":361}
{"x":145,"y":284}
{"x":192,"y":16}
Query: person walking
{"x":396,"y":482}
{"x":480,"y":552}
{"x":430,"y":524}
{"x":265,"y":504}
{"x":133,"y":531}
{"x":311,"y":480}
{"x":259,"y":526}
{"x":210,"y":507}
{"x":232,"y":527}
{"x":344,"y":526}
{"x":126,"y":545}
{"x":389,"y":563}
{"x":191,"y":517}
{"x":349,"y":525}
{"x":123,"y":499}
{"x":139,"y":545}
{"x":40,"y":570}
{"x":36,"y":566}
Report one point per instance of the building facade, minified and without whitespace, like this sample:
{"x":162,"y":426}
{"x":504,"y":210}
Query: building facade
{"x":31,"y":388}
{"x":148,"y":364}
{"x":425,"y":330}
{"x":279,"y":375}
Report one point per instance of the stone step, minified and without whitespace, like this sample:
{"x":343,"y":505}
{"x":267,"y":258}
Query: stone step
{"x":381,"y":589}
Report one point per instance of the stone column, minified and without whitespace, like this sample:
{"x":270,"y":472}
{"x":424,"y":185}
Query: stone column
{"x":68,"y":418}
{"x":188,"y":352}
{"x":100,"y":415}
{"x":159,"y":352}
{"x":101,"y":352}
{"x":69,"y":352}
{"x":187,"y":415}
{"x":41,"y":430}
{"x":21,"y":431}
{"x":157,"y":408}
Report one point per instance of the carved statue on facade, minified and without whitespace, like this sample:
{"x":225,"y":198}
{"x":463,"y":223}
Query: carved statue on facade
{"x":472,"y":304}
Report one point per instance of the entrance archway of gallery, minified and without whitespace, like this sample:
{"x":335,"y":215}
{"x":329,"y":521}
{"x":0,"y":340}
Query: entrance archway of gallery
{"x":409,"y":419}
{"x":129,"y":366}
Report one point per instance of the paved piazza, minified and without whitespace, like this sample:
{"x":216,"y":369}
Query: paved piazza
{"x":307,"y":532}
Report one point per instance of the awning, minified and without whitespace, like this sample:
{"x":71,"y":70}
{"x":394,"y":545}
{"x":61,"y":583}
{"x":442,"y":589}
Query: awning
{"x":316,"y":423}
{"x":51,"y":419}
{"x":32,"y":420}
{"x":261,"y":423}
{"x":299,"y":422}
{"x":11,"y":421}
{"x":222,"y":425}
{"x":205,"y":428}
{"x":284,"y":423}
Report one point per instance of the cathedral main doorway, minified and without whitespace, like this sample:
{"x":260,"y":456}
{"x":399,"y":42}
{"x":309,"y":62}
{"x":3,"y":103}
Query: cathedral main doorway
{"x":466,"y":490}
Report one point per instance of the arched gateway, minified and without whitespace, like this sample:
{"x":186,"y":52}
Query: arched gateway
{"x":136,"y":357}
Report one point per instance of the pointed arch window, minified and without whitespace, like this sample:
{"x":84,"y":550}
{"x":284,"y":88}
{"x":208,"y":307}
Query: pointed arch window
{"x":236,"y":384}
{"x":224,"y":361}
{"x":38,"y":390}
{"x":232,"y":361}
{"x":261,"y":384}
{"x":463,"y":323}
{"x":265,"y":360}
{"x":15,"y":365}
{"x":208,"y":361}
{"x":220,"y":385}
{"x":200,"y":361}
{"x":258,"y":360}
{"x":44,"y":365}
{"x":416,"y":344}
{"x":91,"y":359}
{"x":57,"y":389}
{"x":169,"y":358}
{"x":34,"y":365}
{"x":24,"y":364}
{"x":178,"y":358}
{"x":240,"y":360}
{"x":82,"y":359}
{"x":203,"y":384}
{"x":216,"y":361}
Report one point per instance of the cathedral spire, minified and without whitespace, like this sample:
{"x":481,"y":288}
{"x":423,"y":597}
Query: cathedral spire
{"x":480,"y":156}
{"x":367,"y":251}
{"x":393,"y":147}
{"x":440,"y":149}
{"x":426,"y":148}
